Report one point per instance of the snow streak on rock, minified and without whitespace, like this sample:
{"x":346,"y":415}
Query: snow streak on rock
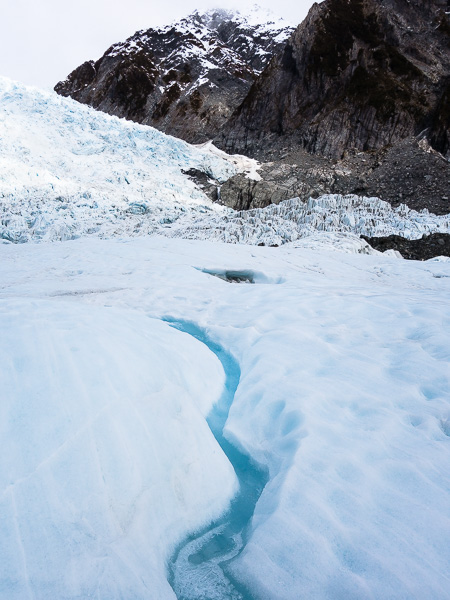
{"x":251,"y":32}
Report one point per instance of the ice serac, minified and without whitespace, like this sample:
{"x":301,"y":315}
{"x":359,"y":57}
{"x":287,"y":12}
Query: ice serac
{"x":293,"y":220}
{"x":355,"y":74}
{"x":186,"y":78}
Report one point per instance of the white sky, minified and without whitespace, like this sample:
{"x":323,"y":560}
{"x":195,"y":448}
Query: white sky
{"x":42,"y":41}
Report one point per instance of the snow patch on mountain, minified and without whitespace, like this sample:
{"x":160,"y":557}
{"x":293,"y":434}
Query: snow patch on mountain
{"x":253,"y":29}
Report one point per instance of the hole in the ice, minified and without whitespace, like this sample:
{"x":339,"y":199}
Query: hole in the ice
{"x":445,"y":426}
{"x":241,"y":276}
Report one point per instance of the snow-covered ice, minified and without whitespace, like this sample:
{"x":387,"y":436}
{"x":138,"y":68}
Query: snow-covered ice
{"x":344,"y":398}
{"x":105,"y":447}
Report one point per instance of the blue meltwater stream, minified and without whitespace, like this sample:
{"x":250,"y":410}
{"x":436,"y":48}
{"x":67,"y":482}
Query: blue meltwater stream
{"x":199,"y":568}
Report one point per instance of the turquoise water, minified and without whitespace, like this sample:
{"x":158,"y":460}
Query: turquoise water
{"x":198,"y":570}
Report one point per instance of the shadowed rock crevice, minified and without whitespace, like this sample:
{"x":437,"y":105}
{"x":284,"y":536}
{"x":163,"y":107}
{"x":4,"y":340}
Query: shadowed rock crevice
{"x":436,"y":244}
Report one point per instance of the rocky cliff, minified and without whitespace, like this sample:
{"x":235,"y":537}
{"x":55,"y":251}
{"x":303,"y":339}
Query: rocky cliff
{"x":356,"y":74}
{"x":185,"y":79}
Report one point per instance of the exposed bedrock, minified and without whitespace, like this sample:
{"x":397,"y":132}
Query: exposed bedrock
{"x":436,"y":244}
{"x":356,"y":74}
{"x":409,"y":172}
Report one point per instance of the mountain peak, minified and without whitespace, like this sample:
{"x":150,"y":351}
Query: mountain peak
{"x":252,"y":16}
{"x":186,"y":78}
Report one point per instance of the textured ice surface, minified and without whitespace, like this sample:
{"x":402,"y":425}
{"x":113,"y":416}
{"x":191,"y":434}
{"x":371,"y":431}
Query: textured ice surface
{"x":67,"y":170}
{"x":292,"y":220}
{"x":107,"y":460}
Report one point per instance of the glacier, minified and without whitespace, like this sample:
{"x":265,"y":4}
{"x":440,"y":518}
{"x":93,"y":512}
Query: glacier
{"x":68,"y":171}
{"x":334,"y":359}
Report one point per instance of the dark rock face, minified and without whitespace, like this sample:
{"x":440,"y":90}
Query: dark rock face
{"x":203,"y":180}
{"x":436,"y":244}
{"x":409,"y":172}
{"x":299,"y":175}
{"x":184,"y":79}
{"x":356,"y":74}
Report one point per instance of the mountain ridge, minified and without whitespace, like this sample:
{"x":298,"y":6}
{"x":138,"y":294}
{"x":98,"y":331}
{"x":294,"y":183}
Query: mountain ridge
{"x":185,"y":78}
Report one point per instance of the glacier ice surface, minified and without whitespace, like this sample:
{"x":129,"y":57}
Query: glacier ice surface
{"x":108,"y":461}
{"x":343,"y":398}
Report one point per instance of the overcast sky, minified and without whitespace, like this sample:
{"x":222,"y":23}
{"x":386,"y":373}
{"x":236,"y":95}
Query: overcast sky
{"x":41,"y":41}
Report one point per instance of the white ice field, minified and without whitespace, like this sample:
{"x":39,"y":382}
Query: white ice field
{"x":108,"y":462}
{"x":333,"y":361}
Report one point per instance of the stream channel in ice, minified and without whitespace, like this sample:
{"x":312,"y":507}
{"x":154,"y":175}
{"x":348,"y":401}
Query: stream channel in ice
{"x":198,"y":568}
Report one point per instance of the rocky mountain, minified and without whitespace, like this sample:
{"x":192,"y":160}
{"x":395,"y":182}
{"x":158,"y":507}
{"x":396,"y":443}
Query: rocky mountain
{"x":185,"y":79}
{"x":356,"y":74}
